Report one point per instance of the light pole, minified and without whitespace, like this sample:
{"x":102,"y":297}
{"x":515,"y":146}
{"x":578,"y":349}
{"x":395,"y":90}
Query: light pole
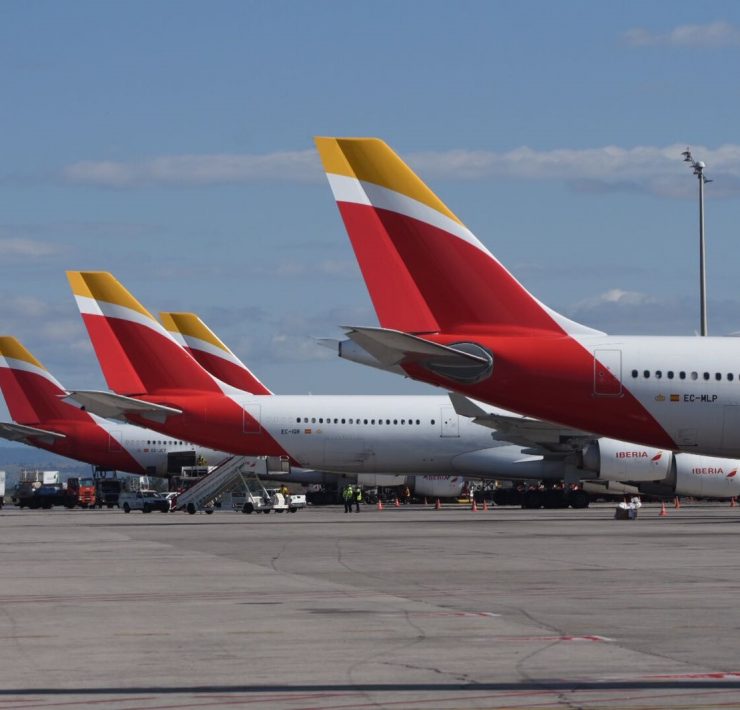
{"x":698,"y":168}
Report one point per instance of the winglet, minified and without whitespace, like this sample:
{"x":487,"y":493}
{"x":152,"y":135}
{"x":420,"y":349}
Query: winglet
{"x":203,"y":344}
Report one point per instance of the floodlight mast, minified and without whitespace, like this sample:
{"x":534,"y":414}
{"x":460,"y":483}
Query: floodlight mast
{"x":698,"y":169}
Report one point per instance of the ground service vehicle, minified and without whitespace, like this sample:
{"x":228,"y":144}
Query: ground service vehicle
{"x":84,"y":490}
{"x":145,"y":500}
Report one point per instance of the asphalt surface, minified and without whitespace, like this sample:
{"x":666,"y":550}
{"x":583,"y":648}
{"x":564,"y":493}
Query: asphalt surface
{"x":401,"y":608}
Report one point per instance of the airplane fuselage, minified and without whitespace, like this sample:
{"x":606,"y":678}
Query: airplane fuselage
{"x":679,"y":393}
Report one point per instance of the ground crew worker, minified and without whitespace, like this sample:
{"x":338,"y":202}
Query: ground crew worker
{"x":348,"y":494}
{"x":358,"y":499}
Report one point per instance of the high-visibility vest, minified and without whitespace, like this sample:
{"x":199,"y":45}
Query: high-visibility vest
{"x":348,"y":493}
{"x":358,"y":495}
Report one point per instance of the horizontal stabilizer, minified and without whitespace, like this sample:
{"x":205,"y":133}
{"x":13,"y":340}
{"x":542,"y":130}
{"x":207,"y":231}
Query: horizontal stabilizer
{"x":350,"y":350}
{"x":392,"y":347}
{"x":518,"y":429}
{"x":24,"y":434}
{"x":117,"y":406}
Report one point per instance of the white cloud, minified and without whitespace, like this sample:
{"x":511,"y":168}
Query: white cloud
{"x":713,"y":34}
{"x":181,"y":170}
{"x":619,"y":311}
{"x":653,"y":169}
{"x":22,"y":247}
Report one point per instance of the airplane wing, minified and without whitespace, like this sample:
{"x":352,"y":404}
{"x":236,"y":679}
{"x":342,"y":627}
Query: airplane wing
{"x":117,"y":406}
{"x":24,"y":434}
{"x":525,"y":431}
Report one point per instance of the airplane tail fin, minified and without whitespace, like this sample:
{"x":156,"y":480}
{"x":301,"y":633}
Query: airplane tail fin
{"x":137,"y":355}
{"x":425,"y":271}
{"x":31,"y":392}
{"x":205,"y":346}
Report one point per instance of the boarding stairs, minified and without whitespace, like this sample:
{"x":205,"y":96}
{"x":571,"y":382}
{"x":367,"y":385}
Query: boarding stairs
{"x":225,"y":477}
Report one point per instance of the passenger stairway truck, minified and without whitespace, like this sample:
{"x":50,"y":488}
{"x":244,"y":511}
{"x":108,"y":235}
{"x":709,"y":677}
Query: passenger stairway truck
{"x":227,"y":476}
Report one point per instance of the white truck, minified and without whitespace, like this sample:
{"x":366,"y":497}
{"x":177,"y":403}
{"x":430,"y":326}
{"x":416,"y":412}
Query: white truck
{"x":144,"y":500}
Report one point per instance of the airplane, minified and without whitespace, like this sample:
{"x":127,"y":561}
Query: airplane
{"x":157,"y":382}
{"x":453,"y":316}
{"x":43,"y":420}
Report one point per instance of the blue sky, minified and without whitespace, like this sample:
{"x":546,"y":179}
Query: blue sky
{"x":170,"y":143}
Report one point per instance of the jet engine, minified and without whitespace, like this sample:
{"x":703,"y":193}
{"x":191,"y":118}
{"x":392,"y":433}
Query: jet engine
{"x":613,"y":460}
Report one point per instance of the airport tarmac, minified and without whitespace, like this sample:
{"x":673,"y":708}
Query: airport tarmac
{"x":401,"y":608}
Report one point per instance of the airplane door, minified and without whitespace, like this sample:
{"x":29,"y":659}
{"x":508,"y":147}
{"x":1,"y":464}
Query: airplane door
{"x":114,"y":440}
{"x":449,"y":422}
{"x":252,"y":418}
{"x":608,"y":373}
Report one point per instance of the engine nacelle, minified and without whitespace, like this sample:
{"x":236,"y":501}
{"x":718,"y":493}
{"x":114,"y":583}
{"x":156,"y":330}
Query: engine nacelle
{"x":613,"y":460}
{"x":707,"y":476}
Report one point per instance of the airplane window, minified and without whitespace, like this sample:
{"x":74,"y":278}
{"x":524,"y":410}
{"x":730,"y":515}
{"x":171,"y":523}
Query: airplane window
{"x":706,"y":375}
{"x":298,"y":420}
{"x":372,"y":421}
{"x":395,"y":421}
{"x":403,"y":421}
{"x":343,"y":421}
{"x":321,"y":420}
{"x":350,"y":421}
{"x":365,"y":421}
{"x":418,"y":422}
{"x":669,"y":374}
{"x":305,"y":420}
{"x":718,"y":376}
{"x":658,"y":374}
{"x":694,"y":375}
{"x":634,"y":373}
{"x":730,"y":376}
{"x":336,"y":421}
{"x":646,"y":374}
{"x":682,"y":375}
{"x":380,"y":421}
{"x":432,"y":422}
{"x":387,"y":421}
{"x":313,"y":420}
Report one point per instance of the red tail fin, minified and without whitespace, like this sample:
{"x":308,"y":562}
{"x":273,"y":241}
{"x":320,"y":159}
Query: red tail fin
{"x":30,"y":391}
{"x":136,"y":353}
{"x":424,"y":269}
{"x":204,"y":345}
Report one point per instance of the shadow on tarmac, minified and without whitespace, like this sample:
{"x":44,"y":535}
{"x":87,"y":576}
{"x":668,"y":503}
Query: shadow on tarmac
{"x":556,"y":686}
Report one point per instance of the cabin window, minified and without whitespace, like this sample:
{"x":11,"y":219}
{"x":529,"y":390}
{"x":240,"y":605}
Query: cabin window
{"x":706,"y":375}
{"x":658,"y":374}
{"x":669,"y":374}
{"x":718,"y":376}
{"x":634,"y":373}
{"x":646,"y":374}
{"x":730,"y":376}
{"x":694,"y":375}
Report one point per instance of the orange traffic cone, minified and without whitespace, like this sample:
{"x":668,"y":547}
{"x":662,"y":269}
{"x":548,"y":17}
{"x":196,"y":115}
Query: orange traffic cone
{"x":677,"y":503}
{"x":663,"y":512}
{"x":474,"y":507}
{"x":733,"y":502}
{"x":485,"y":504}
{"x":438,"y":505}
{"x":397,"y":503}
{"x":380,"y":504}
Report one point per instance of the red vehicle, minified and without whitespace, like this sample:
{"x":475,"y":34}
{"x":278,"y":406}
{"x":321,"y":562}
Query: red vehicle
{"x":83,"y":490}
